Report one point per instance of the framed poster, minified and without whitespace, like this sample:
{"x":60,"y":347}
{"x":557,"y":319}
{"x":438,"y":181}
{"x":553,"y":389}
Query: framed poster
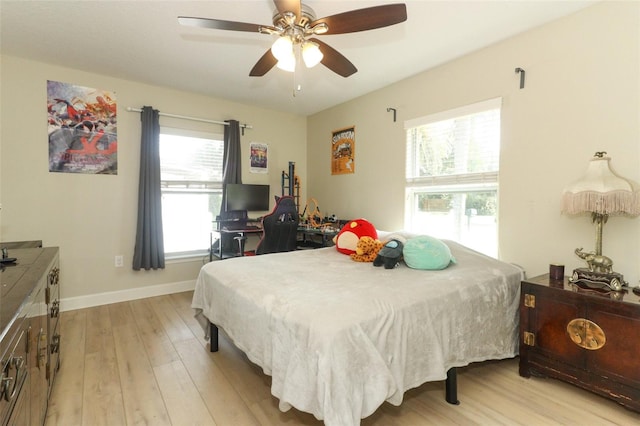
{"x":258,"y":157}
{"x":82,"y":129}
{"x":343,"y":148}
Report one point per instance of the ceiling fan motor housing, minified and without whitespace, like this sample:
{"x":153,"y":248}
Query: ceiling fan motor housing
{"x":307,"y":15}
{"x":286,"y":25}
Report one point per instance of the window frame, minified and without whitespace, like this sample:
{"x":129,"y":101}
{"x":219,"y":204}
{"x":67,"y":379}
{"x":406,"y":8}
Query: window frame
{"x":190,"y":186}
{"x":461,"y":183}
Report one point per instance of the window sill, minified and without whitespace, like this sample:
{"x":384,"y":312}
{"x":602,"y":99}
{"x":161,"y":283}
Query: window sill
{"x":187,"y":257}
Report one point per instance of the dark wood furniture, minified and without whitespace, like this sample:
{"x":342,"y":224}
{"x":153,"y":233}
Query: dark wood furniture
{"x":10,"y":245}
{"x":29,"y":334}
{"x":585,"y":336}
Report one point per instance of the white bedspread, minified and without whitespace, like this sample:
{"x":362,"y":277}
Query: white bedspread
{"x":341,"y":337}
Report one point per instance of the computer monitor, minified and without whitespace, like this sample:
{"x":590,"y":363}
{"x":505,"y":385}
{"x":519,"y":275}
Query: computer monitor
{"x":247,"y":197}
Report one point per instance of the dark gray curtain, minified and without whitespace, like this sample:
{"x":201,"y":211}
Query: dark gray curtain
{"x":231,"y":160}
{"x":149,"y":249}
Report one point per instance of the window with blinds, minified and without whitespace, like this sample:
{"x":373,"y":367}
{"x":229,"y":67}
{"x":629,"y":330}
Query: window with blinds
{"x":191,"y":182}
{"x":452,"y":170}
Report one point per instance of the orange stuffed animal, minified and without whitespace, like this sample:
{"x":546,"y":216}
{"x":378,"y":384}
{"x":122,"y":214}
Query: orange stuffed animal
{"x":366,"y":250}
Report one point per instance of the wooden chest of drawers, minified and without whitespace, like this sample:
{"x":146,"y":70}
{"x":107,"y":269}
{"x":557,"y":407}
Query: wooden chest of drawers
{"x":583,"y":336}
{"x":29,"y":334}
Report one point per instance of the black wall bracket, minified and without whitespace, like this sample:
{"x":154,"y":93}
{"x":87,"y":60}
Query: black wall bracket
{"x":521,"y":72}
{"x":394,"y":113}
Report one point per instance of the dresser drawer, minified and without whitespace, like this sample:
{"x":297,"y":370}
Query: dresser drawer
{"x":582,"y":336}
{"x":620,"y":355}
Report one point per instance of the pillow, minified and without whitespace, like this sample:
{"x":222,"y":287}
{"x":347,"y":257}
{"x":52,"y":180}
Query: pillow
{"x":424,"y":252}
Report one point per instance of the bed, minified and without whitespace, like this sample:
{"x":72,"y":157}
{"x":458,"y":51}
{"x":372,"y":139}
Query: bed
{"x":340,"y":338}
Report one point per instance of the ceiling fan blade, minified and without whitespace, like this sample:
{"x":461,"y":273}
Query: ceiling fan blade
{"x":292,"y":6}
{"x":218,"y":24}
{"x":334,"y":60}
{"x":365,"y":19}
{"x":263,"y":65}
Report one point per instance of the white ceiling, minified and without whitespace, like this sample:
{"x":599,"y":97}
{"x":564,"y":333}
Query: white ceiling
{"x":142,"y":41}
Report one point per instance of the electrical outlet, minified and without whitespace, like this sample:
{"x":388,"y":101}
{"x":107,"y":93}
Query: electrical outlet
{"x":119,"y":261}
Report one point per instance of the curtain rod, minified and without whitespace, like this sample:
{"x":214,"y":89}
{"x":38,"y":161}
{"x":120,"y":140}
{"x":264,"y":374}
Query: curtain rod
{"x":184,"y":117}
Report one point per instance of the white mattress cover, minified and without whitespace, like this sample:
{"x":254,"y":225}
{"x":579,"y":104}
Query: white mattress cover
{"x":341,"y":337}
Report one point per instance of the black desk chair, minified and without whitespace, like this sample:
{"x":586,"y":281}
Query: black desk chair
{"x":280,"y":228}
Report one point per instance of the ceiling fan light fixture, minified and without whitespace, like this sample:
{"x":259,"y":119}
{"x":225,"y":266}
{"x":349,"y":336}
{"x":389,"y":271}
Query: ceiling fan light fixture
{"x":311,"y":54}
{"x":282,"y":48}
{"x":287,"y":63}
{"x":295,"y":23}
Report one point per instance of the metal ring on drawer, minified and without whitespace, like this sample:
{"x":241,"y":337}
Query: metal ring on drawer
{"x":19,"y":364}
{"x":586,"y":334}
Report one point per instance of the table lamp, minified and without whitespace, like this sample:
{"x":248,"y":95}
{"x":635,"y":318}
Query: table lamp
{"x":602,"y":193}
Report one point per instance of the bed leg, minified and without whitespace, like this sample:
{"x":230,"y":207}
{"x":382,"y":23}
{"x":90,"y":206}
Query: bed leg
{"x":213,"y":337}
{"x":452,"y":387}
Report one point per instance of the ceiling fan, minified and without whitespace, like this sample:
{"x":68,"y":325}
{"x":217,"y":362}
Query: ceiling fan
{"x":295,"y":24}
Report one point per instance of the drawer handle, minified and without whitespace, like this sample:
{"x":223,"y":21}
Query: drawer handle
{"x":41,"y":350}
{"x":5,"y":388}
{"x":18,"y":364}
{"x":586,"y":334}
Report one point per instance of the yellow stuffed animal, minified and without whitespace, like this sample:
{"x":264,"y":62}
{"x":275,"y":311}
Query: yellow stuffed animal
{"x":367,"y":249}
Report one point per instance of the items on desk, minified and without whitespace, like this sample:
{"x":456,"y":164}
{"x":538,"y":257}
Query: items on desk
{"x":5,"y":257}
{"x":314,"y":217}
{"x":231,"y":233}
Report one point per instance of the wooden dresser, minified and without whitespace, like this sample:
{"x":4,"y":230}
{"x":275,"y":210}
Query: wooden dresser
{"x":29,"y":334}
{"x":587,"y":337}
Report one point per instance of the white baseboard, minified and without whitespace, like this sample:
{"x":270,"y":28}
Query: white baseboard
{"x":91,"y":300}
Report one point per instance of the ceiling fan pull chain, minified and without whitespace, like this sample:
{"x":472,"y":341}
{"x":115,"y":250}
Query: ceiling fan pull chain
{"x":295,"y":85}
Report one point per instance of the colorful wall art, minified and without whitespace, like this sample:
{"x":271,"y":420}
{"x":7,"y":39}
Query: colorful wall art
{"x":259,"y":157}
{"x":82,"y":129}
{"x":343,"y":145}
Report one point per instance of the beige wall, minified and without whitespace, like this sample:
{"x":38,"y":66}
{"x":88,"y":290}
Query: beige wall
{"x":92,"y":217}
{"x":582,"y":95}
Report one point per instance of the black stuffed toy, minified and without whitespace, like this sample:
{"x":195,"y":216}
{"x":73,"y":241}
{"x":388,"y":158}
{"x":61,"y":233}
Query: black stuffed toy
{"x":390,"y":254}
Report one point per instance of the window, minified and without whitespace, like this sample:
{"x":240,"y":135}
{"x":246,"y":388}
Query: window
{"x":191,"y":180}
{"x":452,"y":175}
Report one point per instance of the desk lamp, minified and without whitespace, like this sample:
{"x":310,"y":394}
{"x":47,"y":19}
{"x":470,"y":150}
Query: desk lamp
{"x":602,"y":193}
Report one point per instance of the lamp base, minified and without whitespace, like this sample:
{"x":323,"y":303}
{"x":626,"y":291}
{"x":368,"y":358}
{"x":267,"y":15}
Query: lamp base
{"x":612,"y":280}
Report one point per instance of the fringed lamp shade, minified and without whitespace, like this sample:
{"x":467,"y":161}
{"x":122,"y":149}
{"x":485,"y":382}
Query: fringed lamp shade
{"x":601,"y":191}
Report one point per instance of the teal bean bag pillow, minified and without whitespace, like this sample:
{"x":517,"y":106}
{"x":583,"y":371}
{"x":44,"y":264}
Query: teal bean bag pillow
{"x":425,"y":252}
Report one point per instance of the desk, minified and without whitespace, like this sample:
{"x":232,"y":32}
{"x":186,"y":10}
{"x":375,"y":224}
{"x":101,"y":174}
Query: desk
{"x":224,"y":234}
{"x":315,"y":237}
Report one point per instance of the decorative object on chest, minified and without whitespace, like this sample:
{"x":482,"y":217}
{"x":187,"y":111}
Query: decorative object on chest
{"x":589,"y":337}
{"x":601,"y":193}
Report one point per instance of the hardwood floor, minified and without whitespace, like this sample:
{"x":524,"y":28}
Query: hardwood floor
{"x":145,"y":362}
